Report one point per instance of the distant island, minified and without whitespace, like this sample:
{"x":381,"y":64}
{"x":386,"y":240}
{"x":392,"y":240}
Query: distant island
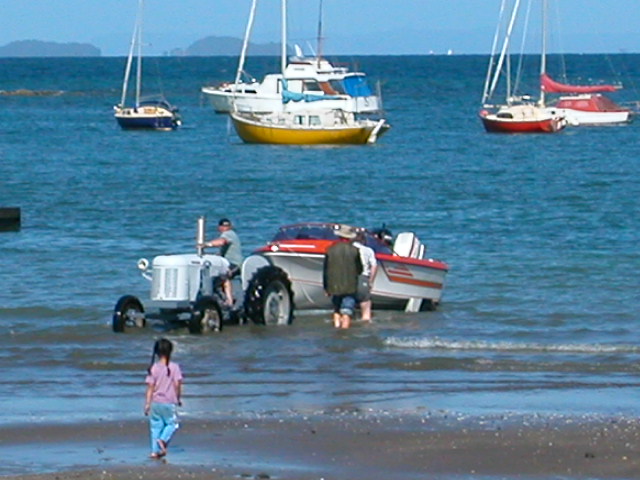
{"x":38,"y":48}
{"x":205,"y":47}
{"x":224,"y":46}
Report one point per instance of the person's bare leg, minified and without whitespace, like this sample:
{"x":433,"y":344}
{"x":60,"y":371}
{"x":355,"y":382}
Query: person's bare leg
{"x":336,"y":320}
{"x":365,"y":309}
{"x":228,"y":291}
{"x":345,"y":321}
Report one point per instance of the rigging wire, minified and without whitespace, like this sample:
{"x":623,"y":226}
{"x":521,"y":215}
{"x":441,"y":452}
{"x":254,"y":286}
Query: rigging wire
{"x":521,"y":59}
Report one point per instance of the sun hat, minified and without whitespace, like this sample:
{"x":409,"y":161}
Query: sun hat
{"x":345,"y":231}
{"x":224,"y":222}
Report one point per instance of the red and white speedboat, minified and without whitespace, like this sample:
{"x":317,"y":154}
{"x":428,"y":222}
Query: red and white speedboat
{"x":404,"y":281}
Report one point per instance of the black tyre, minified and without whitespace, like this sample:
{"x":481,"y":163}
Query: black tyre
{"x":206,"y":316}
{"x":128,"y":312}
{"x":269,"y":298}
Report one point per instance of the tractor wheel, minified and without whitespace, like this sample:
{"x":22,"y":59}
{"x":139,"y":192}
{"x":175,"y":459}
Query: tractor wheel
{"x":269,"y":298}
{"x":206,"y":316}
{"x":128,"y":312}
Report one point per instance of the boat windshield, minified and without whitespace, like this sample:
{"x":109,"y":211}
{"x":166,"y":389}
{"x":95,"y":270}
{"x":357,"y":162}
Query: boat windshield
{"x":356,"y":86}
{"x":324,"y":232}
{"x":305,"y":232}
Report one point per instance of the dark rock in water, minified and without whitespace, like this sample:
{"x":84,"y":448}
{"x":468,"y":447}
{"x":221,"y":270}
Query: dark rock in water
{"x":10,"y":219}
{"x":24,"y":92}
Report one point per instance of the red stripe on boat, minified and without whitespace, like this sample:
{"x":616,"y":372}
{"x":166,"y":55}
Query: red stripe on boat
{"x":413,"y":281}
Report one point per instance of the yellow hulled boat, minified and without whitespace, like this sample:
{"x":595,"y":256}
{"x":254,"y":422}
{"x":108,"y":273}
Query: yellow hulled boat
{"x":325,"y":127}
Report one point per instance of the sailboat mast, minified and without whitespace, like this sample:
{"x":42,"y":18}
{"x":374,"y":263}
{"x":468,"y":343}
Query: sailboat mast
{"x":543,"y":57}
{"x":494,"y":48}
{"x":505,"y":48}
{"x":320,"y":39}
{"x":283,"y":60}
{"x":139,"y":67}
{"x":132,"y":46}
{"x":245,"y":43}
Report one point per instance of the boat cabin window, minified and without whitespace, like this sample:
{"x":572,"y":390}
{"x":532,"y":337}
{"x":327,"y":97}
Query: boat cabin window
{"x":314,"y":121}
{"x":312,"y":86}
{"x":327,"y":88}
{"x":504,"y":115}
{"x":295,"y":86}
{"x":337,"y":86}
{"x":299,"y":120}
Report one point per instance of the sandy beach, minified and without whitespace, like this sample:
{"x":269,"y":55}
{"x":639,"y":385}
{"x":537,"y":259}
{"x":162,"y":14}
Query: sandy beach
{"x":343,"y":445}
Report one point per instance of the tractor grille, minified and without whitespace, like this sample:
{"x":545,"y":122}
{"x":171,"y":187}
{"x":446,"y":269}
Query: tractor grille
{"x":165,"y":284}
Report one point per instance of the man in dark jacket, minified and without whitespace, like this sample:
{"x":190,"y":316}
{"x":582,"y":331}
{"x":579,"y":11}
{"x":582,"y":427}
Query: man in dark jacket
{"x":342,"y":266}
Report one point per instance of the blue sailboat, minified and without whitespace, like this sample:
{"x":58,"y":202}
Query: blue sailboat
{"x":150,"y":113}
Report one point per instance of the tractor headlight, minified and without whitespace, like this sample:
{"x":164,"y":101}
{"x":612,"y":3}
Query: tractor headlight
{"x":143,"y":264}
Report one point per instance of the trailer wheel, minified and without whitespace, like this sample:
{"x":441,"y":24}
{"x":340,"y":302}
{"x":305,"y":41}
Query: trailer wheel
{"x":269,"y":298}
{"x":206,"y":316}
{"x":128,"y":312}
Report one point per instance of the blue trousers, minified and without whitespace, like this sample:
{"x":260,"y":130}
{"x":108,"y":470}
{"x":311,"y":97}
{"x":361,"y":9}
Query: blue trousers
{"x":344,"y":304}
{"x":163,"y":422}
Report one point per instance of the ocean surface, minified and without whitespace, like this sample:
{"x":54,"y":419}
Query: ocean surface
{"x":540,"y":312}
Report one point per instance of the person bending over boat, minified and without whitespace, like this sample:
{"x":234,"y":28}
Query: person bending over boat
{"x":369,"y":267}
{"x":341,"y":269}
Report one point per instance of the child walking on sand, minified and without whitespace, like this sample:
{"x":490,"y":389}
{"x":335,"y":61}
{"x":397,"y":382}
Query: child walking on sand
{"x":164,"y":390}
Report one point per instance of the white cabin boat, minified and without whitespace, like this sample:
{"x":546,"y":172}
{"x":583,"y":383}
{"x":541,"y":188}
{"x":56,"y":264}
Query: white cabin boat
{"x":313,"y":78}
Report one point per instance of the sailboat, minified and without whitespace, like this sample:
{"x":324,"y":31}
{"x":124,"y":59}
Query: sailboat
{"x":585,"y":104}
{"x":319,"y":125}
{"x":311,"y":76}
{"x":519,"y":114}
{"x":151,"y":113}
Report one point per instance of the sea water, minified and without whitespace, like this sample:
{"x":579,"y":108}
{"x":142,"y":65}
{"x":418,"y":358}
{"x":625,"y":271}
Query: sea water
{"x":540,"y":308}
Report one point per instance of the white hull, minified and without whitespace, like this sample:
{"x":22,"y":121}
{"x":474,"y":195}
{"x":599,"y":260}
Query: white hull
{"x":395,"y":284}
{"x":580,"y":117}
{"x":222,"y":102}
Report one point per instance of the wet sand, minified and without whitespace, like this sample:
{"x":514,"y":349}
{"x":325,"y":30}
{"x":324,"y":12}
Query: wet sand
{"x":349,"y":446}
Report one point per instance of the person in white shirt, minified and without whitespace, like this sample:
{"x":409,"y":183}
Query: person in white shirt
{"x":369,"y":268}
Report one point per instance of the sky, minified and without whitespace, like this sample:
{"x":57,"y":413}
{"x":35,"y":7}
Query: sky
{"x":357,"y":27}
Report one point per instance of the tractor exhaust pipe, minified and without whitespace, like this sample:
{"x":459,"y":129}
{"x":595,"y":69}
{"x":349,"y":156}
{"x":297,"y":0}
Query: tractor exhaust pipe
{"x":201,"y":235}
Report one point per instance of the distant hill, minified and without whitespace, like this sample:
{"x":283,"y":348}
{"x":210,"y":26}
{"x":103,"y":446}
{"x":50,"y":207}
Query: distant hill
{"x":37,"y":48}
{"x":211,"y":46}
{"x":205,"y":47}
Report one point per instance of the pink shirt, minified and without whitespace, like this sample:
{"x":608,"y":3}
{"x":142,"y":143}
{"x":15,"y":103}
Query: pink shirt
{"x":165,"y":383}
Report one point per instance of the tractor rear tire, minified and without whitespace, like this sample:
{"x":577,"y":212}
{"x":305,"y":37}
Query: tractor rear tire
{"x":269,"y":298}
